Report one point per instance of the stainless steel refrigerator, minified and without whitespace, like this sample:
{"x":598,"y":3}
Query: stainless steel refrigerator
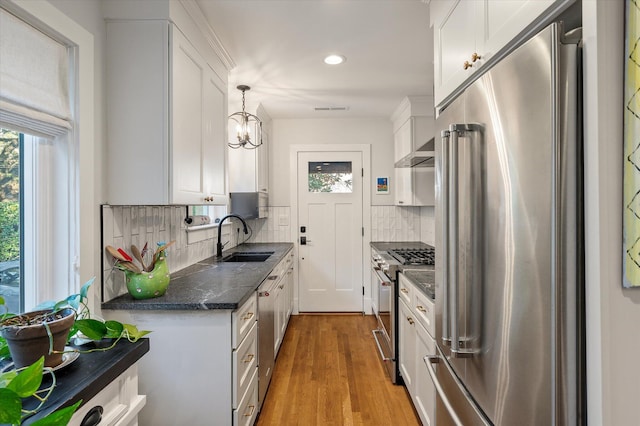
{"x":509,"y":237}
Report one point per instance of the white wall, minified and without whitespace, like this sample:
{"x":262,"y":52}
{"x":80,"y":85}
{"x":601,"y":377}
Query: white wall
{"x":88,"y":15}
{"x":613,"y":313}
{"x":287,"y":132}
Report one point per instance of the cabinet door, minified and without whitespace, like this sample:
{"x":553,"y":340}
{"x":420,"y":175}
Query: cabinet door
{"x":263,"y":159}
{"x":403,"y":187}
{"x":424,"y":397}
{"x":279,"y":315}
{"x":215,"y":141}
{"x":187,"y":118}
{"x":138,"y":111}
{"x":407,"y":346}
{"x":403,"y":139}
{"x":454,"y":44}
{"x":289,"y":293}
{"x":243,"y":168}
{"x":506,"y":19}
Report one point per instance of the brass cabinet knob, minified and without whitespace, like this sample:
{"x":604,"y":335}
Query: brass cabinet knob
{"x":467,"y":65}
{"x":475,"y":57}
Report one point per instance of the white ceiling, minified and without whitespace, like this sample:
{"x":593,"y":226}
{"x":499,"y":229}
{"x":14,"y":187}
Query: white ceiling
{"x":279,"y":47}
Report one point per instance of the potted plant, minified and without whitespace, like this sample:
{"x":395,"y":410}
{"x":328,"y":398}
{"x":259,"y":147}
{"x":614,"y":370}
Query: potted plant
{"x":25,"y":380}
{"x":51,"y":327}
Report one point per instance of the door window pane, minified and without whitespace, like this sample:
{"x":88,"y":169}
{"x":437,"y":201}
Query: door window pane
{"x":334,"y":176}
{"x":10,"y":213}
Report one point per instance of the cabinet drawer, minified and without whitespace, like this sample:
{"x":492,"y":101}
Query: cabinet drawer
{"x":246,"y":413}
{"x":243,"y":319}
{"x":424,"y":310}
{"x":245,"y":362}
{"x":119,"y":400}
{"x":405,"y":289}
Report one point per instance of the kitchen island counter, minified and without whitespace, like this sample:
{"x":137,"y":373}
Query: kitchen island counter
{"x":210,"y":283}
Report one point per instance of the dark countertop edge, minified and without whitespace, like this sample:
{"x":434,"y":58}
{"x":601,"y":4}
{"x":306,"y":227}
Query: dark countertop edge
{"x":90,"y":385}
{"x":389,"y":245}
{"x":162,"y":305}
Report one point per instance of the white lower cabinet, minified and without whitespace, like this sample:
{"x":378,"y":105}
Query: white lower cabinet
{"x":119,"y":401}
{"x":424,"y":396}
{"x":202,"y":366}
{"x":245,"y":414}
{"x":283,"y":299}
{"x":245,"y":364}
{"x":415,"y":343}
{"x":407,"y":336}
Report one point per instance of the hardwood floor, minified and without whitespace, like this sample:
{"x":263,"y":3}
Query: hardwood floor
{"x":328,"y":373}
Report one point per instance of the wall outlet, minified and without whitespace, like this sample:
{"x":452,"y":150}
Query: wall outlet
{"x":283,"y":220}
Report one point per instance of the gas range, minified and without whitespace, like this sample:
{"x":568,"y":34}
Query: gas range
{"x":398,"y":256}
{"x":414,"y":256}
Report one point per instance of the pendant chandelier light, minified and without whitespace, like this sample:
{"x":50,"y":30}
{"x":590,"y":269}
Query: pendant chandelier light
{"x":248,"y":127}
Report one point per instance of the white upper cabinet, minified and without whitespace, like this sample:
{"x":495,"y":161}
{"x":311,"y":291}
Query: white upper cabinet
{"x":166,"y":115}
{"x":249,"y":168}
{"x":455,"y":38}
{"x":468,"y":34}
{"x":198,"y":128}
{"x":413,"y":126}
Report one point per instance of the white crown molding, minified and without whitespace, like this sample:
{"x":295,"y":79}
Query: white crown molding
{"x":209,"y":34}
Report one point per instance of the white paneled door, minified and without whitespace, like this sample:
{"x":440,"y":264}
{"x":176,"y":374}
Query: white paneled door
{"x":330,"y":231}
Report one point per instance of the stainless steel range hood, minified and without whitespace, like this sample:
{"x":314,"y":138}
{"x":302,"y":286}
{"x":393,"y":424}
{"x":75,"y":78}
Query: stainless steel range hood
{"x":422,"y":157}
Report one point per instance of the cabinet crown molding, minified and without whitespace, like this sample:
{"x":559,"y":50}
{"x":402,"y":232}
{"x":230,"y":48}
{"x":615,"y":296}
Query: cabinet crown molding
{"x":412,"y":106}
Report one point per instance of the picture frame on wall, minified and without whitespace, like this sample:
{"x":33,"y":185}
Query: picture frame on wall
{"x":382,"y":185}
{"x":631,"y":169}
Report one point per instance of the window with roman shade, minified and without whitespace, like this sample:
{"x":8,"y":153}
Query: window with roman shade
{"x":34,"y":78}
{"x":36,"y":82}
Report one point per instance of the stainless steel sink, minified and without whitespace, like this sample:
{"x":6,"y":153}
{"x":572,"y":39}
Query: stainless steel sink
{"x":247,"y":256}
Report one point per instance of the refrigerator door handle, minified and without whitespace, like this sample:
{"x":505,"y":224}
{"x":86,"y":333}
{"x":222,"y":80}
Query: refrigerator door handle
{"x":446,"y":337}
{"x":460,"y":348}
{"x":429,"y":360}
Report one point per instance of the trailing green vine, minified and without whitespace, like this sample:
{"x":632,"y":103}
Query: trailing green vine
{"x":15,"y":385}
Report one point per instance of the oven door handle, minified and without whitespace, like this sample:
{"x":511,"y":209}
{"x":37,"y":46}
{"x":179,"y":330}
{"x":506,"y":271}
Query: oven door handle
{"x":375,"y":337}
{"x":384,"y":280}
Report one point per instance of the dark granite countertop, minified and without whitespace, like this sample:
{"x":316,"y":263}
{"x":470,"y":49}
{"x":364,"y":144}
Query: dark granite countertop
{"x":424,"y":280}
{"x":87,"y":375}
{"x":210,"y":284}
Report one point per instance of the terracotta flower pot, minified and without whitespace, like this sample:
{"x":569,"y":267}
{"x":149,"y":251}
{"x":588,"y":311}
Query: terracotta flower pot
{"x":27,"y":343}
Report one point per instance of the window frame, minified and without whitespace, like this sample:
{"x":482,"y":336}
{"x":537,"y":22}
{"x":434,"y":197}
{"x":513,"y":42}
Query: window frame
{"x":79,"y":256}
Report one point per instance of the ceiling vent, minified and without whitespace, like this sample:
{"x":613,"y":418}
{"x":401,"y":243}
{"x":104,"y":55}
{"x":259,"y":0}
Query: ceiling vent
{"x":332,"y":108}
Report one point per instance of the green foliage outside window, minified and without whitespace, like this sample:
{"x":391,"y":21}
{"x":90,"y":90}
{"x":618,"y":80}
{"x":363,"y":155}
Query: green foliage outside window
{"x":9,"y":230}
{"x":9,"y":195}
{"x":323,"y":182}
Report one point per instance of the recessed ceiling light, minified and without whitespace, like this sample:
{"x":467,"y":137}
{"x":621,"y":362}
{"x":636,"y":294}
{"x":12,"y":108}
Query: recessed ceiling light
{"x":334,"y":59}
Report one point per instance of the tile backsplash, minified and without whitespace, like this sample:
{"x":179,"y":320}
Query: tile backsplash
{"x":393,"y":223}
{"x":123,"y":226}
